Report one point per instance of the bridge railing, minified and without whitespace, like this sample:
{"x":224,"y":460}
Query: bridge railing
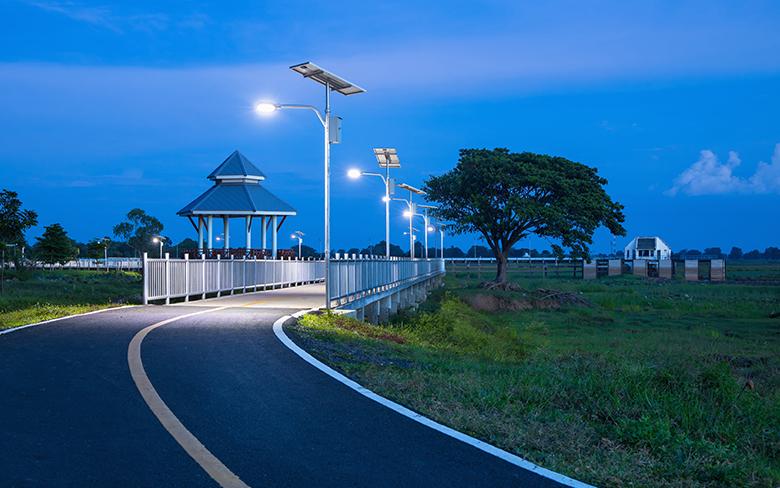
{"x":360,"y":279}
{"x":185,"y":278}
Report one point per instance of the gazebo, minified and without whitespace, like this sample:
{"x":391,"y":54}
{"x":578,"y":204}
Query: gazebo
{"x":237,"y":193}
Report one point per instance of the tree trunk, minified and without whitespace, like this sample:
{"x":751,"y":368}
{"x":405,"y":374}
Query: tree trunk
{"x":502,"y":268}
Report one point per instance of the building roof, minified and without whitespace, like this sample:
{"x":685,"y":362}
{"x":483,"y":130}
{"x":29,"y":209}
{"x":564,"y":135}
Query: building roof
{"x":236,"y":166}
{"x":237,"y":191}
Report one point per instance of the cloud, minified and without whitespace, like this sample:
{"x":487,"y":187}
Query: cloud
{"x":107,"y":18}
{"x":708,"y":176}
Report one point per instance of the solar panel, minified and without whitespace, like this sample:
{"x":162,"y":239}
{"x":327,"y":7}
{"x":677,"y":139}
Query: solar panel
{"x":411,"y":188}
{"x":336,"y":83}
{"x":387,"y":157}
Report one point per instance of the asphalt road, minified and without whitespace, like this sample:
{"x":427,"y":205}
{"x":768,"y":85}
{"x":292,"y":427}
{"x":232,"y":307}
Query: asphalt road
{"x":71,"y":415}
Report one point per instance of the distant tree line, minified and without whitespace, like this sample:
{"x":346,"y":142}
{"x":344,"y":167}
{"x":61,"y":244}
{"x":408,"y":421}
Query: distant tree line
{"x":136,"y":234}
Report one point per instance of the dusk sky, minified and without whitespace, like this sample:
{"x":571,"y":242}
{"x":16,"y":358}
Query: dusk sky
{"x":112,"y":105}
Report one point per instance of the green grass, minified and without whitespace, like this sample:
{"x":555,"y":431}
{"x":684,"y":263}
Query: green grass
{"x":33,"y":296}
{"x":654,"y":384}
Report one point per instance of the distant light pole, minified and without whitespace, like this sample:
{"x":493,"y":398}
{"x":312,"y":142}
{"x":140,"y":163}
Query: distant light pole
{"x":160,"y":240}
{"x":331,"y":82}
{"x":410,"y":211}
{"x":298,"y":235}
{"x":387,"y":158}
{"x":428,"y":228}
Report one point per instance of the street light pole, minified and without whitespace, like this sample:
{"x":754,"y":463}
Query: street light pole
{"x":331,"y":82}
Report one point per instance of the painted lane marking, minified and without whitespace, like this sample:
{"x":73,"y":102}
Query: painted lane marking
{"x":58,"y":319}
{"x":406,"y":412}
{"x":197,"y":451}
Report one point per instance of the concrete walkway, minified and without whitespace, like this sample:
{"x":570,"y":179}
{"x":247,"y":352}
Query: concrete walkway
{"x":298,"y":297}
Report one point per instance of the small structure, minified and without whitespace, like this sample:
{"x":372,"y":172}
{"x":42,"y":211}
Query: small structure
{"x":237,"y":193}
{"x":648,"y":248}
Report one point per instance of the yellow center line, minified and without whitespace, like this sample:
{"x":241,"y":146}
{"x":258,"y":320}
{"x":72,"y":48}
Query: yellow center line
{"x":205,"y":459}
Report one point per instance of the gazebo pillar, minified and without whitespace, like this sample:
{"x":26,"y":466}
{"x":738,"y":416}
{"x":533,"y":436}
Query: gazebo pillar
{"x":248,"y":233}
{"x":200,"y":234}
{"x":226,"y":225}
{"x":273,"y":238}
{"x":210,"y":230}
{"x":263,"y":233}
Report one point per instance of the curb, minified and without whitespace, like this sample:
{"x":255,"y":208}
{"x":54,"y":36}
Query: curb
{"x":406,"y":412}
{"x":20,"y":327}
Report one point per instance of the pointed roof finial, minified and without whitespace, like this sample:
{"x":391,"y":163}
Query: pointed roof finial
{"x":236,"y":166}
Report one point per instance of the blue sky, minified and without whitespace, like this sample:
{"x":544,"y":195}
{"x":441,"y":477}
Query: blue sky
{"x":111,"y":105}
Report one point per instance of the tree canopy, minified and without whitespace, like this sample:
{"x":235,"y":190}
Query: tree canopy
{"x":505,"y":196}
{"x":54,"y":246}
{"x":14,"y":220}
{"x":138,"y":229}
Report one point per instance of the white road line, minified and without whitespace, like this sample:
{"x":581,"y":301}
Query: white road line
{"x":481,"y":445}
{"x":14,"y":329}
{"x":205,"y":459}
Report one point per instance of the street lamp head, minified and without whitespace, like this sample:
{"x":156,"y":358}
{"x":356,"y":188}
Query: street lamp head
{"x":407,"y":214}
{"x":354,"y":173}
{"x":385,"y":198}
{"x":265,"y":108}
{"x":430,"y":228}
{"x":156,"y":240}
{"x":293,"y":236}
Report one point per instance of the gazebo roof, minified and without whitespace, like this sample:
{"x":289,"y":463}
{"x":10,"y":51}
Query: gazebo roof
{"x":237,"y":191}
{"x":236,"y":166}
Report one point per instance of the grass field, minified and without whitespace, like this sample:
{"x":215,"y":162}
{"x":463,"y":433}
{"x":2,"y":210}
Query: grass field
{"x":33,"y":296}
{"x":617,"y":382}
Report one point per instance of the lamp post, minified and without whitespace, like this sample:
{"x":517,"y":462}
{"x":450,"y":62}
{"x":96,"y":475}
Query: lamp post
{"x":387,"y":158}
{"x":298,"y":235}
{"x":428,"y":228}
{"x":331,"y":82}
{"x":160,"y":240}
{"x":410,"y":211}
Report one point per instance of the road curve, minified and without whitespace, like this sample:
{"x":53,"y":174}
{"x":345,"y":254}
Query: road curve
{"x":71,"y":414}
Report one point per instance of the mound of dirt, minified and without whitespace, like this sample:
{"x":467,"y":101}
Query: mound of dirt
{"x":541,"y":299}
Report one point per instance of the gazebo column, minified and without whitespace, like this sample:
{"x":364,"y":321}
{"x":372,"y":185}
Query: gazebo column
{"x":226,"y":225}
{"x":273,"y":238}
{"x":248,"y":233}
{"x":210,"y":231}
{"x":263,"y":233}
{"x":200,"y":234}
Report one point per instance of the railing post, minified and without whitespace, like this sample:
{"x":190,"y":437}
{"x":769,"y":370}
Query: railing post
{"x":186,"y":277}
{"x":203,"y":275}
{"x":219,"y":276}
{"x":167,"y":278}
{"x":145,"y":271}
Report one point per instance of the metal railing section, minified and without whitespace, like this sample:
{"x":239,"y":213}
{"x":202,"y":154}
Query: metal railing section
{"x":176,"y":278}
{"x":356,"y":279}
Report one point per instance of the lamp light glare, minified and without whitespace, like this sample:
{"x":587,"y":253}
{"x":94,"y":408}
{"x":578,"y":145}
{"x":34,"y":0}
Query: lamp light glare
{"x":155,"y":240}
{"x":407,"y":214}
{"x":265,"y":108}
{"x":354,"y":173}
{"x":385,"y":198}
{"x":430,"y":228}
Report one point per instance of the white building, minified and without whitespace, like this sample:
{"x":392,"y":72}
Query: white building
{"x":647,"y":248}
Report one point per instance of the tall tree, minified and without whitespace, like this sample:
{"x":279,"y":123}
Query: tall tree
{"x":138,"y":229}
{"x":736,"y":253}
{"x":54,"y":246}
{"x":506,"y":196}
{"x":14,"y":221}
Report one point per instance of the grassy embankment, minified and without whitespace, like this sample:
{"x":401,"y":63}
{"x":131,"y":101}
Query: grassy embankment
{"x":33,"y":296}
{"x":618,"y":382}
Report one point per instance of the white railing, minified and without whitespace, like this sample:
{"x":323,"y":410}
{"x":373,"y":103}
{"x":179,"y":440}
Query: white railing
{"x":96,"y":264}
{"x":176,"y":278}
{"x":356,"y":279}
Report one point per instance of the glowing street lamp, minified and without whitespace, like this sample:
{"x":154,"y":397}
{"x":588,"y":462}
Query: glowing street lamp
{"x":331,"y":82}
{"x":298,"y":235}
{"x":160,"y":240}
{"x":387,"y":157}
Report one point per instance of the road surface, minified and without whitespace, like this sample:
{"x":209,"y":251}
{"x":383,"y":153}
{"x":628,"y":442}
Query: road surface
{"x":72,"y":415}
